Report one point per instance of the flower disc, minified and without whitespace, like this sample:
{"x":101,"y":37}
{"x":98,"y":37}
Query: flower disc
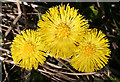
{"x":26,"y":50}
{"x":93,"y":52}
{"x":59,"y":29}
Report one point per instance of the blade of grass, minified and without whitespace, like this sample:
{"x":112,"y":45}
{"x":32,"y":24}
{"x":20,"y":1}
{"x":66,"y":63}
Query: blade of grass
{"x":2,"y":40}
{"x":114,"y":21}
{"x":3,"y":43}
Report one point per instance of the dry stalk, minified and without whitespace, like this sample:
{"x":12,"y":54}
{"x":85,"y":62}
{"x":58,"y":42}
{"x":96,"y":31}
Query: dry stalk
{"x":19,"y":13}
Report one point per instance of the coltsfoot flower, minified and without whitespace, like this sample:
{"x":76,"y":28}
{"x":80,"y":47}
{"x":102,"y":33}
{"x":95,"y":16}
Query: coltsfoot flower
{"x":59,"y":28}
{"x":26,"y":50}
{"x":93,"y":52}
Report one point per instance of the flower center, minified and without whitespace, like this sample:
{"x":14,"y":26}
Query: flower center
{"x":28,"y":48}
{"x":62,"y":31}
{"x":88,"y":50}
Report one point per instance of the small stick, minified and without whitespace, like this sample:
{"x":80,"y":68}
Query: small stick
{"x":8,"y":31}
{"x":48,"y":76}
{"x":79,"y":73}
{"x":58,"y":73}
{"x":66,"y":66}
{"x":53,"y":65}
{"x":19,"y":13}
{"x":5,"y":50}
{"x":22,"y":14}
{"x":47,"y":72}
{"x":6,"y":76}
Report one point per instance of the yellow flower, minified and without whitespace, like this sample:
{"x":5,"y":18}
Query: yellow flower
{"x":26,"y":50}
{"x":59,"y":29}
{"x":93,"y":52}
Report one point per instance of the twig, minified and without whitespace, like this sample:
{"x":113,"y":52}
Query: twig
{"x":4,"y":30}
{"x":23,"y":13}
{"x":19,"y":13}
{"x":4,"y":54}
{"x":98,"y":4}
{"x":46,"y":72}
{"x":11,"y":16}
{"x":6,"y":76}
{"x":1,"y":58}
{"x":66,"y":66}
{"x":7,"y":61}
{"x":48,"y":76}
{"x":93,"y":76}
{"x":18,"y":29}
{"x":114,"y":45}
{"x":26,"y":76}
{"x":1,"y":15}
{"x":53,"y":65}
{"x":4,"y":26}
{"x":12,"y":67}
{"x":8,"y":31}
{"x":58,"y":73}
{"x":88,"y":77}
{"x":6,"y":43}
{"x":78,"y":73}
{"x":8,"y":52}
{"x":14,"y":32}
{"x":108,"y":73}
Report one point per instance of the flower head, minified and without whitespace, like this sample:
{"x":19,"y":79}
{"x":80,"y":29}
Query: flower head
{"x":93,"y":52}
{"x":26,"y":50}
{"x":59,"y":29}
